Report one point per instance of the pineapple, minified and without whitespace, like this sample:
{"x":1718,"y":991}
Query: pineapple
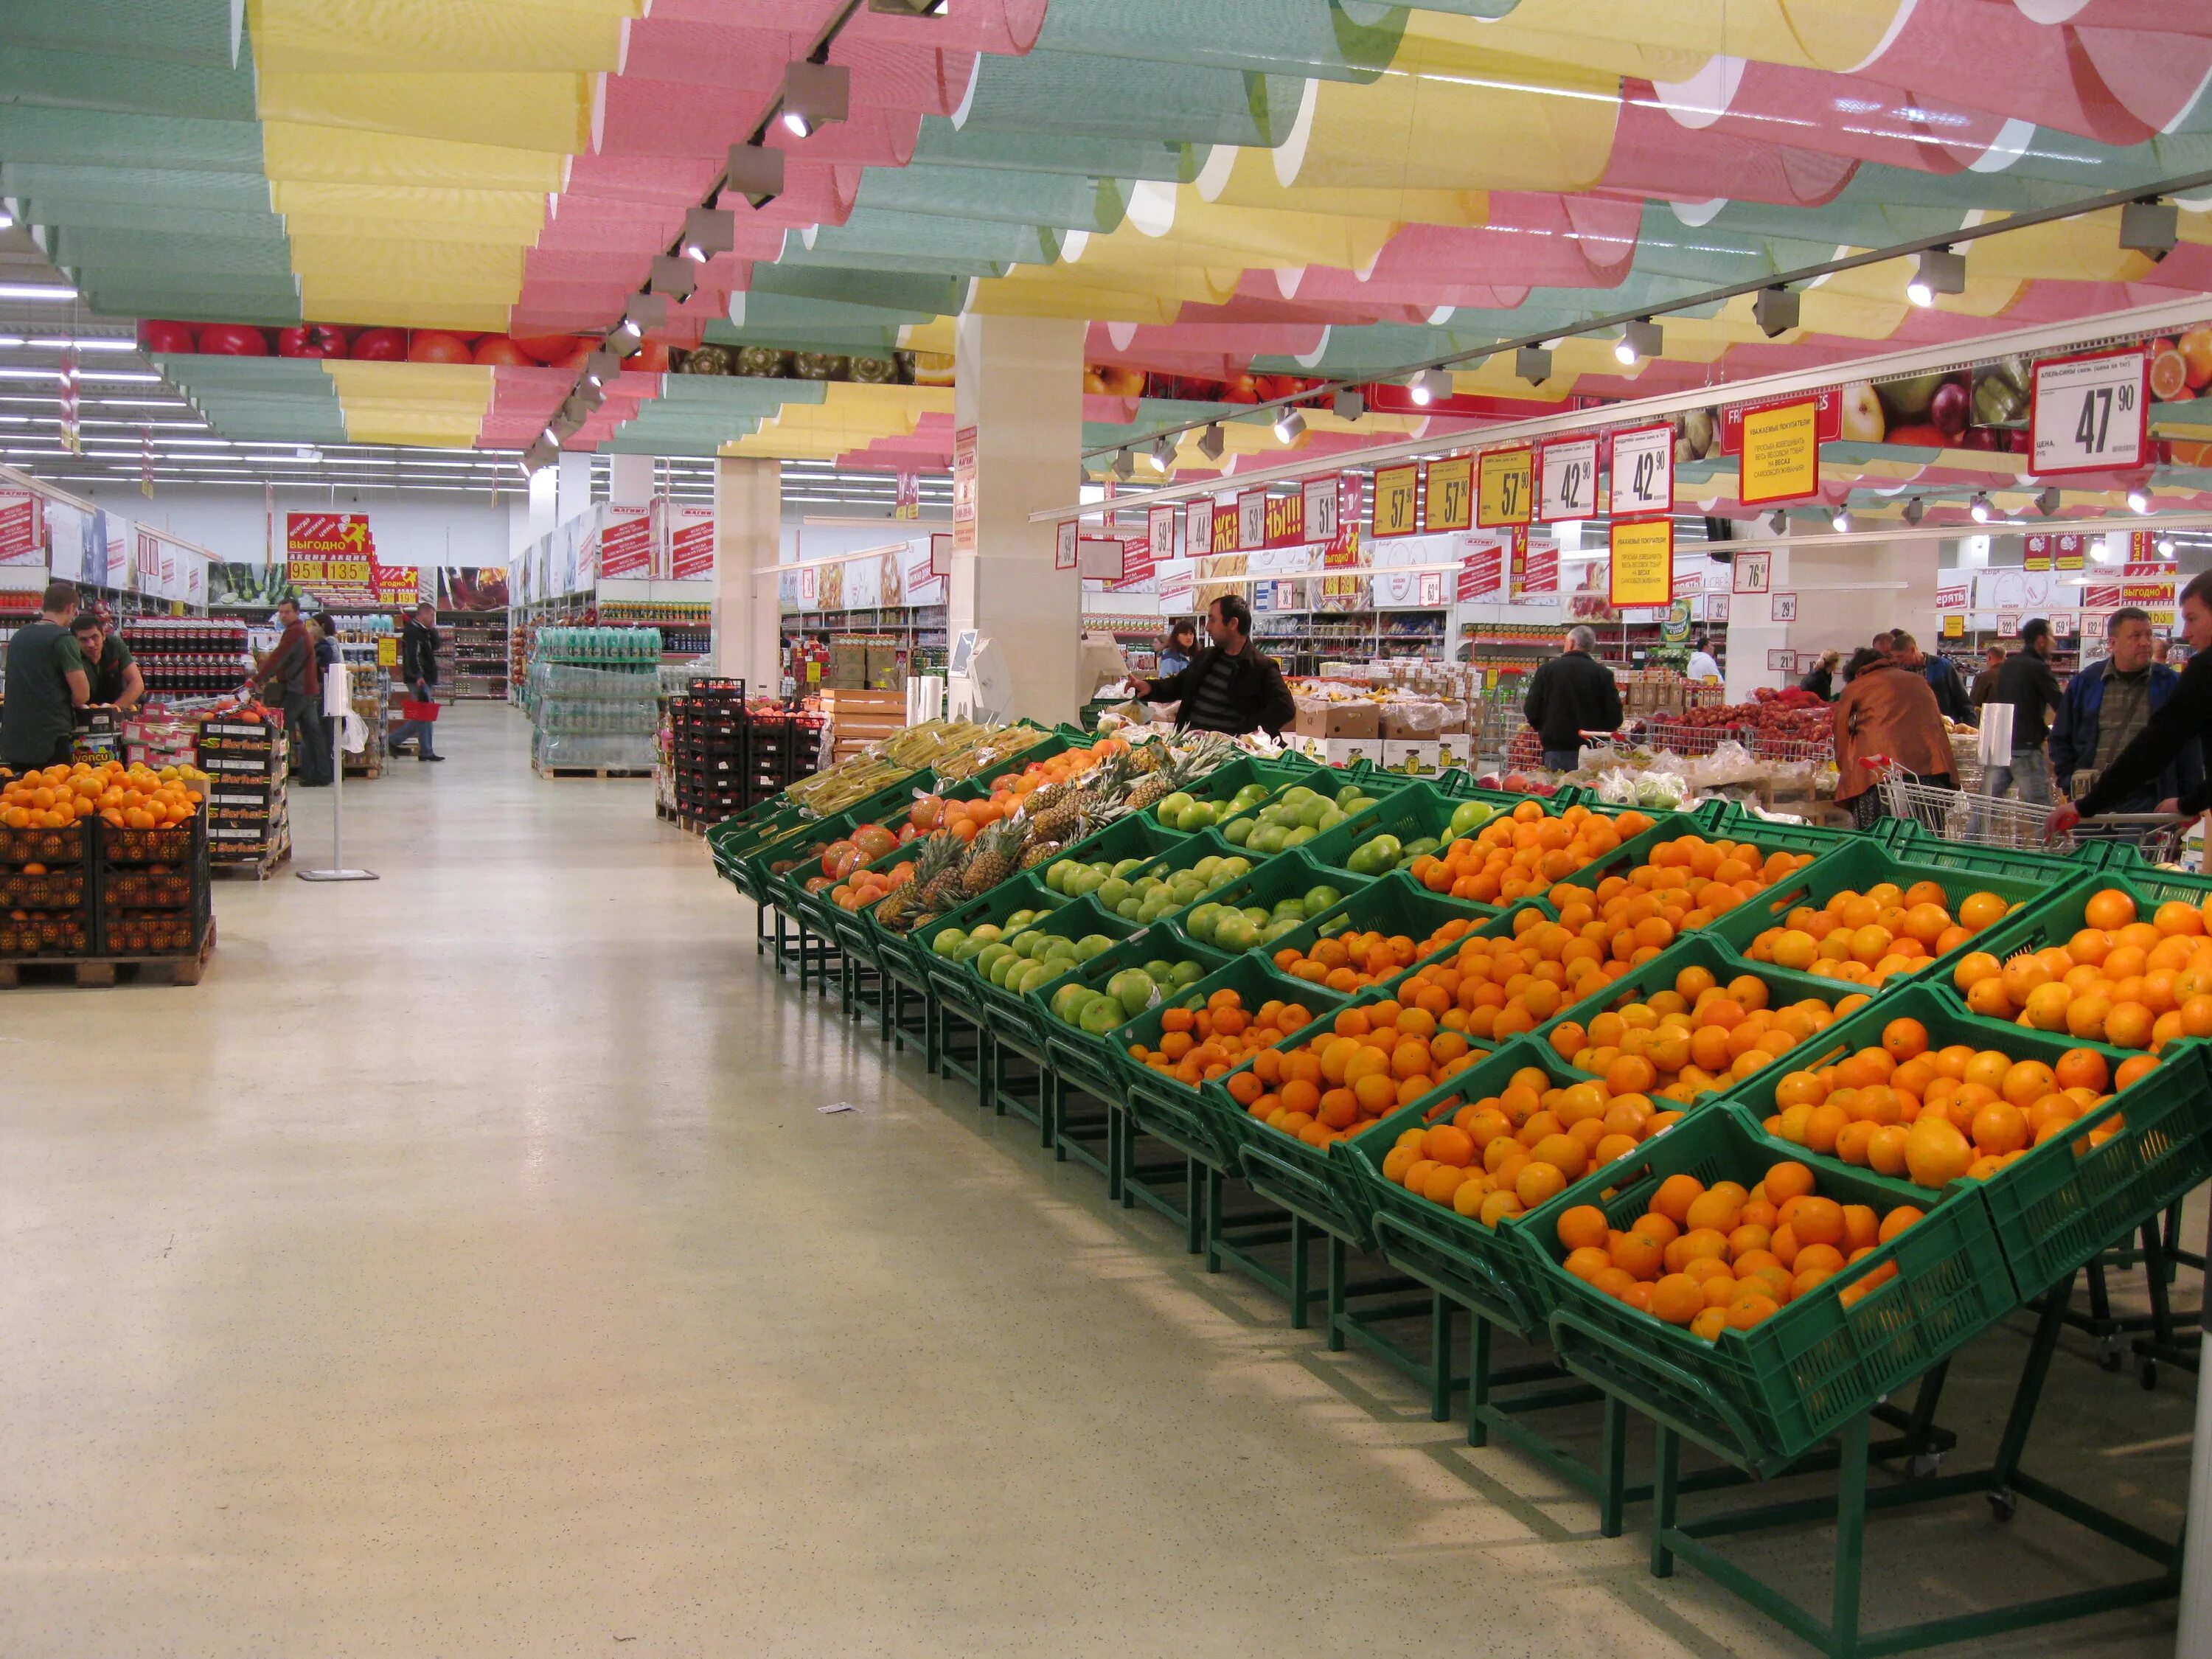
{"x":941,"y":889}
{"x":1179,"y":772}
{"x":939,"y":854}
{"x":1038,"y":852}
{"x":991,"y":857}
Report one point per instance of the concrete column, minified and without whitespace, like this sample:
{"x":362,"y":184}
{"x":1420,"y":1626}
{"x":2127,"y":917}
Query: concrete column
{"x":748,"y":532}
{"x":573,"y":493}
{"x":629,"y":480}
{"x":1018,"y":382}
{"x":1846,"y":595}
{"x":544,"y":495}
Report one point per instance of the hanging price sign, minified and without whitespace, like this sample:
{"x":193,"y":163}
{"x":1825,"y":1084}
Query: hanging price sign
{"x":2090,"y":413}
{"x":1567,"y":471}
{"x":1642,"y":564}
{"x":1450,"y":504}
{"x":1252,"y":520}
{"x":1643,"y":471}
{"x":1503,"y":495}
{"x":1397,"y":492}
{"x":1321,"y":501}
{"x":1198,"y":527}
{"x":1160,"y":532}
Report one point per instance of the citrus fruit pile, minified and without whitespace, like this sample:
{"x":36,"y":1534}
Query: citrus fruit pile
{"x":1374,"y":1060}
{"x":1690,"y":1042}
{"x":1197,"y":1044}
{"x":864,"y":887}
{"x":1932,"y":1115}
{"x":128,"y":797}
{"x":1723,"y":1257}
{"x":2120,"y":980}
{"x":1511,"y":858}
{"x":1867,"y":937}
{"x":1009,"y":789}
{"x":1508,"y":1152}
{"x":1350,"y":962}
{"x":965,"y":819}
{"x":1684,"y":884}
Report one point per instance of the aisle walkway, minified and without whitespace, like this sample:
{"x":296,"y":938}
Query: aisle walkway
{"x":464,"y":1268}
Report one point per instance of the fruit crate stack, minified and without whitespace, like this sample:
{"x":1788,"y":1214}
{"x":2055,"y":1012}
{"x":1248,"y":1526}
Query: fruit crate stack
{"x":708,"y":730}
{"x":782,"y":745}
{"x":249,"y":823}
{"x":46,"y":892}
{"x":154,"y":889}
{"x":858,"y":718}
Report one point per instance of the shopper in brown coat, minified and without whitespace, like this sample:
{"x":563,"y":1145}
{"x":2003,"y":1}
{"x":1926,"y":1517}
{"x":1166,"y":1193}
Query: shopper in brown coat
{"x":1887,"y":710}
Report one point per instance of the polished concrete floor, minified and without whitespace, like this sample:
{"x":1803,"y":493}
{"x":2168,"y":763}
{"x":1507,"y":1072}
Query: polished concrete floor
{"x":464,"y":1268}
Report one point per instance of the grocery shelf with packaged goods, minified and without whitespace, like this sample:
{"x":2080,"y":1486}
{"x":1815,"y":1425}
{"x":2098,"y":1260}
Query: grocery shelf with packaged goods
{"x":1305,"y":640}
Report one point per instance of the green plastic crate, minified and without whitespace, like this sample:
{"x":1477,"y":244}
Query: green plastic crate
{"x":1093,"y":1063}
{"x":1133,"y":838}
{"x":2063,"y":913}
{"x":956,"y":982}
{"x":1176,"y":1112}
{"x":1278,"y":775}
{"x":1393,"y":904}
{"x":1283,"y":875}
{"x":1763,"y":1398}
{"x":1012,"y":1015}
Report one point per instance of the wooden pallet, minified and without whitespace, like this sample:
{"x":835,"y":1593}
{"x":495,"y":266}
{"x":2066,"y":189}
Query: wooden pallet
{"x":259,"y":869}
{"x":697,"y":826}
{"x":16,"y":973}
{"x":546,"y":771}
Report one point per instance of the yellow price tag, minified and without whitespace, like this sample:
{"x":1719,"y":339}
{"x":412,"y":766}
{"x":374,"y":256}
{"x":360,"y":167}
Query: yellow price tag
{"x":387,"y":654}
{"x":1780,"y":453}
{"x":1504,"y":498}
{"x":1451,"y":495}
{"x":1642,"y":564}
{"x":1397,"y":488}
{"x":1954,"y":626}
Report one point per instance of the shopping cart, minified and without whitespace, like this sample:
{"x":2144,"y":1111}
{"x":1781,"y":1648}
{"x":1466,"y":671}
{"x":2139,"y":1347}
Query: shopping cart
{"x":1989,"y":821}
{"x":1675,"y":738}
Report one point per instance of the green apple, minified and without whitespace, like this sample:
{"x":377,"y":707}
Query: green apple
{"x":1066,"y":1000}
{"x":1100,"y":1015}
{"x":1375,"y":856}
{"x":1269,"y":840}
{"x":1235,"y":866}
{"x":1205,"y":869}
{"x":1186,"y":973}
{"x":988,"y":933}
{"x":1128,"y":908}
{"x":1297,"y":795}
{"x":1320,"y":897}
{"x":1092,"y":944}
{"x":991,"y":956}
{"x":1133,"y":989}
{"x":1161,"y":971}
{"x":1199,"y":924}
{"x":1330,"y":818}
{"x":1290,"y":909}
{"x":1250,"y":796}
{"x":1113,"y":891}
{"x":1311,"y":815}
{"x":1419,"y":846}
{"x":1171,"y":804}
{"x":1125,"y":868}
{"x":1034,"y":977}
{"x":1276,"y":930}
{"x":1470,"y":815}
{"x":1238,"y":831}
{"x":1299,"y":836}
{"x":1234,"y":932}
{"x":949,"y":941}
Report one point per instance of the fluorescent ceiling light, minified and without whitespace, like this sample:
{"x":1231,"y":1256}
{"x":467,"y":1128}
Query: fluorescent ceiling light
{"x":35,"y":291}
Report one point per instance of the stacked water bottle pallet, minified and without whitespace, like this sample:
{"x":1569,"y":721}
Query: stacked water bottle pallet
{"x":592,"y":697}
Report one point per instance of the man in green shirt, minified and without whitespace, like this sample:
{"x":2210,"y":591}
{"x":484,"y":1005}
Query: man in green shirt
{"x":45,"y":681}
{"x":116,"y":680}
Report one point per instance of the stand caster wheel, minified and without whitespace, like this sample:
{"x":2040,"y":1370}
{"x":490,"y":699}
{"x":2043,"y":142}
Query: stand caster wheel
{"x":2147,"y":1375}
{"x":2108,"y":1353}
{"x":1926,"y":1465}
{"x":2003,"y":1505}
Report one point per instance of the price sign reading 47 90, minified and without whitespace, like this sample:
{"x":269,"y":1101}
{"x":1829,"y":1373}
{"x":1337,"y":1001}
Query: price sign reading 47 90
{"x":2091,"y":413}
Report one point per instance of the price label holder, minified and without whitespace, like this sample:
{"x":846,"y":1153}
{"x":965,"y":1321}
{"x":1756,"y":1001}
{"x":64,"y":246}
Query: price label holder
{"x":1450,"y":505}
{"x":2091,"y":413}
{"x":1643,"y":471}
{"x":1397,"y":494}
{"x":1567,"y":473}
{"x":1506,"y":488}
{"x":1642,"y":567}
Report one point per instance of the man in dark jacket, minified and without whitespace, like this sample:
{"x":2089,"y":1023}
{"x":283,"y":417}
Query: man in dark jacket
{"x":418,"y":667}
{"x":2107,"y":703}
{"x":1943,"y":679}
{"x":1993,"y":658}
{"x":1572,"y":694}
{"x":291,"y":672}
{"x":2027,"y":683}
{"x":1230,"y":686}
{"x":2183,"y":720}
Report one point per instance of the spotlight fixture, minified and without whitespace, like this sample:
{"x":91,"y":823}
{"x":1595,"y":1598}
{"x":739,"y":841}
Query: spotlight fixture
{"x":1940,"y":271}
{"x":1349,"y":404}
{"x":1774,"y":310}
{"x":1532,"y":364}
{"x":1915,"y":510}
{"x":2047,"y":502}
{"x":1125,"y":465}
{"x":754,"y":173}
{"x":2150,"y":227}
{"x":1430,"y":386}
{"x":2165,"y":547}
{"x":1640,"y":339}
{"x":709,"y":231}
{"x":600,"y":367}
{"x":550,"y":438}
{"x":815,"y":94}
{"x":1778,"y":521}
{"x":1289,"y":423}
{"x":1164,"y":454}
{"x":1840,"y":520}
{"x":674,"y":277}
{"x":2138,"y":500}
{"x":538,"y":455}
{"x":1980,"y":509}
{"x":1213,"y":441}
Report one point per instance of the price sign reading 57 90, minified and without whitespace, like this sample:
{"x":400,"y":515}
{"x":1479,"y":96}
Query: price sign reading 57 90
{"x":2090,"y":413}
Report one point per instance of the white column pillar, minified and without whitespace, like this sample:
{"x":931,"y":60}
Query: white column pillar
{"x":1018,"y":382}
{"x":748,"y":532}
{"x":545,"y":496}
{"x":629,"y":480}
{"x":573,"y":493}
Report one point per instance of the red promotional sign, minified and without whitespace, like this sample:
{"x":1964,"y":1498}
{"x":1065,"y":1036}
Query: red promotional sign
{"x":626,"y":542}
{"x":1286,"y":520}
{"x":1827,"y":418}
{"x":2103,"y":597}
{"x":1539,"y":570}
{"x":1136,"y":562}
{"x":1481,"y":572}
{"x":332,"y":556}
{"x":2038,"y":552}
{"x":22,"y":526}
{"x":691,"y":543}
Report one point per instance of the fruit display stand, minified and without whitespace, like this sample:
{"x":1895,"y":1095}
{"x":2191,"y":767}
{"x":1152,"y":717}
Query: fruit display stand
{"x":97,"y":901}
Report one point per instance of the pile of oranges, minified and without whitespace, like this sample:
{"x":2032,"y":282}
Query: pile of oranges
{"x":1933,"y":1115}
{"x":1686,"y":883}
{"x":964,"y":820}
{"x":1351,"y":961}
{"x":1199,"y":1044}
{"x":1374,"y":1060}
{"x":1508,"y":1152}
{"x":1511,"y":858}
{"x":1691,"y":1041}
{"x":1865,"y":937}
{"x":1009,"y":789}
{"x":864,"y":887}
{"x":1723,"y":1257}
{"x":2120,"y":980}
{"x":128,"y":797}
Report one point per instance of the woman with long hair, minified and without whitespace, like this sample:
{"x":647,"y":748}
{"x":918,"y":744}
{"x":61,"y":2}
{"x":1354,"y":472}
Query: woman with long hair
{"x":1179,"y":647}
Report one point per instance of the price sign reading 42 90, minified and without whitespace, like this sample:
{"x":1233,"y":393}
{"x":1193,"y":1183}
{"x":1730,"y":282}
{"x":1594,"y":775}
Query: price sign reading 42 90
{"x":2090,"y":413}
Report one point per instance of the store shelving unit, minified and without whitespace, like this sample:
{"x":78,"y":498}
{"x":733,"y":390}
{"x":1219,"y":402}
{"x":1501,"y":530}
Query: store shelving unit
{"x":472,"y":655}
{"x":1302,"y":639}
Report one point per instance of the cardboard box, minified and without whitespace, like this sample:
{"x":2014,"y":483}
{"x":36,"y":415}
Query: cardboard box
{"x":885,"y":673}
{"x":1342,"y":751}
{"x":1415,"y":755}
{"x":1338,"y":719}
{"x":848,"y":665}
{"x":1456,"y":748}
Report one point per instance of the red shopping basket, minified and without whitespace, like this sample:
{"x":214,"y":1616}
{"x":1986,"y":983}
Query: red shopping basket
{"x":419,"y":711}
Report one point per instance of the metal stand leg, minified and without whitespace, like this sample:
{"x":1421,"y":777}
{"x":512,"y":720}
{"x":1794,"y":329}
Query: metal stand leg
{"x":1850,"y":1538}
{"x":1666,"y":1474}
{"x":1337,"y":1267}
{"x":1441,"y":1317}
{"x":1301,"y":1270}
{"x":1612,"y":1462}
{"x":1477,"y":1378}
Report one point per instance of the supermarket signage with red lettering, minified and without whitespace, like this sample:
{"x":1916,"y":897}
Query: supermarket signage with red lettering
{"x":1540,"y":568}
{"x":691,"y":543}
{"x":1136,"y":562}
{"x":626,"y":541}
{"x":2042,"y":548}
{"x":22,"y":527}
{"x":1286,"y":520}
{"x":1226,"y":520}
{"x":1953,"y":599}
{"x":1827,"y":418}
{"x":1481,"y":571}
{"x":2105,"y":596}
{"x":331,"y":535}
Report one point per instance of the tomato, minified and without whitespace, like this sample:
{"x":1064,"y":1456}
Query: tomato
{"x":380,"y":345}
{"x":233,"y":340}
{"x":499,"y":349}
{"x":1240,"y":389}
{"x":312,"y":340}
{"x":431,"y":346}
{"x":167,"y":336}
{"x":545,"y":348}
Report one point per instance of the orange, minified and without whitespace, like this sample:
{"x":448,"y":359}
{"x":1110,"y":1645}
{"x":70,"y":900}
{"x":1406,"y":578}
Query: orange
{"x":1979,"y":911}
{"x":2108,"y":908}
{"x":1786,"y":1181}
{"x":2131,"y":1069}
{"x":1677,"y":1299}
{"x":1899,"y":1219}
{"x":1989,"y":999}
{"x":2000,"y":1127}
{"x":1817,"y":1221}
{"x":1676,"y":1195}
{"x":1904,"y":1039}
{"x":1584,"y":1226}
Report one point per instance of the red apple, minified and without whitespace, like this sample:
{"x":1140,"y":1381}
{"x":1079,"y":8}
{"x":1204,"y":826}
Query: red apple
{"x":545,"y":348}
{"x":233,"y":340}
{"x":380,"y":345}
{"x":167,"y":336}
{"x":432,"y":346}
{"x":312,"y":340}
